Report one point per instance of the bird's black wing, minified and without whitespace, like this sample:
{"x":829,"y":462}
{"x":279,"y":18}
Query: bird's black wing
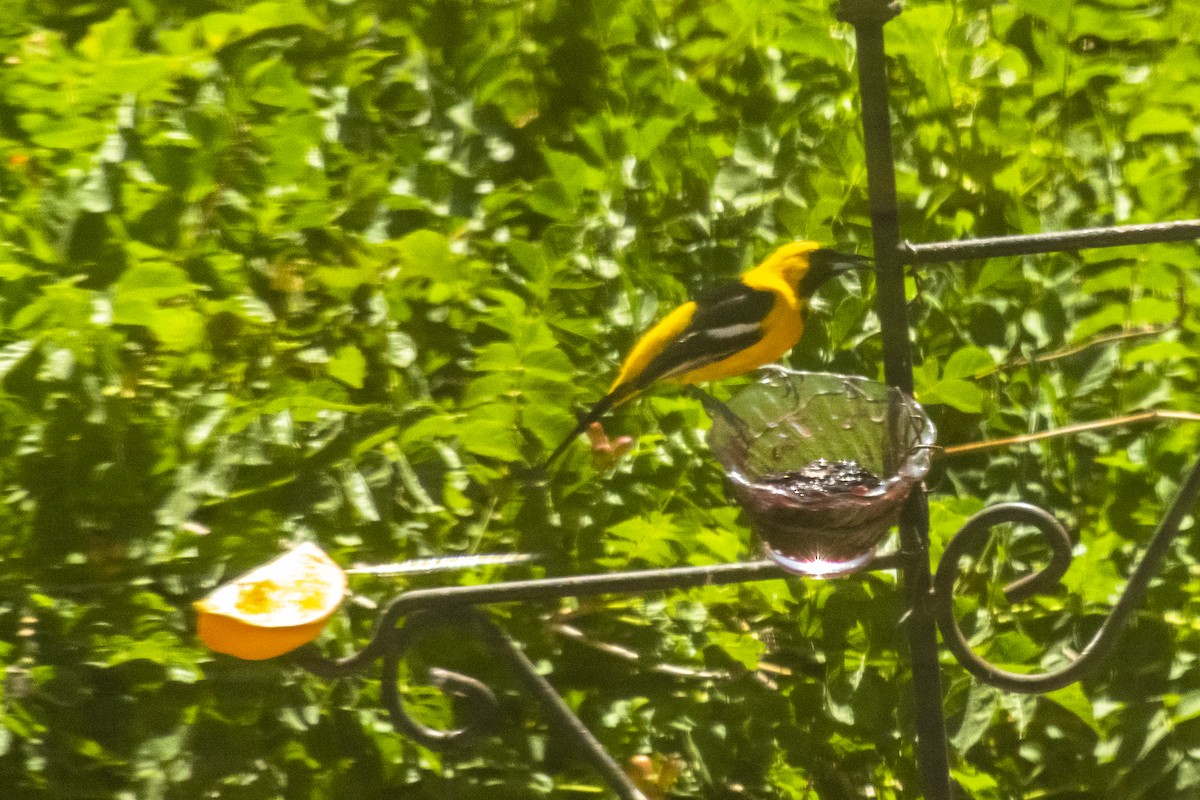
{"x":728,"y":318}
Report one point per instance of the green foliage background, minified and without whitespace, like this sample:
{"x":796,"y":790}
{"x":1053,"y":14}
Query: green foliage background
{"x":342,"y":270}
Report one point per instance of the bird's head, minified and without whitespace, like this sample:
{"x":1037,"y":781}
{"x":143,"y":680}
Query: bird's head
{"x":806,"y":265}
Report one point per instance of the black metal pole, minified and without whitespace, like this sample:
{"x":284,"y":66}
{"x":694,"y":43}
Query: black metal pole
{"x":868,"y":18}
{"x":560,"y":714}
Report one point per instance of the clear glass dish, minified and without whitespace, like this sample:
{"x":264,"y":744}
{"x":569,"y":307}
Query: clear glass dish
{"x":820,"y":463}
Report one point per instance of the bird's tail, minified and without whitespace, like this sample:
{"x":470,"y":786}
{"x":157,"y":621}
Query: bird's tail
{"x":607,"y":403}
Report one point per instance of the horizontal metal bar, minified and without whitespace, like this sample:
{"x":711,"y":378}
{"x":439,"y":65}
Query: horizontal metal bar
{"x":597,"y":584}
{"x":1082,"y":239}
{"x":451,"y":597}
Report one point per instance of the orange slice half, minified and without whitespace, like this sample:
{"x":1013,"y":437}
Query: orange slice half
{"x":273,"y":608}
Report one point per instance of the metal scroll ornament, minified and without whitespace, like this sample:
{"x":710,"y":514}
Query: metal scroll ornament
{"x":820,"y":463}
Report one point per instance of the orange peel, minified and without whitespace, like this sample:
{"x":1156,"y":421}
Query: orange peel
{"x":274,"y":608}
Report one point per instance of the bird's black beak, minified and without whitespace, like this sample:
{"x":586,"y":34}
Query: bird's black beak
{"x":824,"y":264}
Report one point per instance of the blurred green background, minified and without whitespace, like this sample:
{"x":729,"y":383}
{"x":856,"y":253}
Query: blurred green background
{"x":341,"y":271}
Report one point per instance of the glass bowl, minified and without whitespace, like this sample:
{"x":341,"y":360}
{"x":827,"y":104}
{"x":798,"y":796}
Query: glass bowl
{"x":820,"y":463}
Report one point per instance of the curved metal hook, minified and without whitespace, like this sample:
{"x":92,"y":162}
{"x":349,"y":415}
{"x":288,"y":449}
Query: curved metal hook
{"x":975,"y":531}
{"x":973,"y":534}
{"x":481,"y":701}
{"x":391,"y":644}
{"x":310,"y":657}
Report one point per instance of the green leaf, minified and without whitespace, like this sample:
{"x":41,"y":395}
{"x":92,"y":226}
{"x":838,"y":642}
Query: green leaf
{"x":491,"y":433}
{"x":1014,"y":649}
{"x":154,"y":279}
{"x":1188,"y":708}
{"x":982,"y":705}
{"x":13,"y":272}
{"x":1160,"y":352}
{"x":646,"y":540}
{"x":223,"y":29}
{"x":1073,"y":699}
{"x":13,"y":355}
{"x":552,"y":198}
{"x":572,"y":172}
{"x":348,"y":365}
{"x":1159,"y":121}
{"x":746,"y":650}
{"x":959,"y":394}
{"x":359,"y":494}
{"x":1092,"y":575}
{"x":426,"y":254}
{"x":969,"y":362}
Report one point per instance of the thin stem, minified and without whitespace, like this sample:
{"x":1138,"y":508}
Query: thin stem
{"x":1068,"y":430}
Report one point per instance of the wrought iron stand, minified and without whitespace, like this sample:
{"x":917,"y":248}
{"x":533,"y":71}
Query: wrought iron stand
{"x":929,"y":598}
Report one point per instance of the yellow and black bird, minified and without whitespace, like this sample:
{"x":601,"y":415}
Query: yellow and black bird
{"x":727,"y":330}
